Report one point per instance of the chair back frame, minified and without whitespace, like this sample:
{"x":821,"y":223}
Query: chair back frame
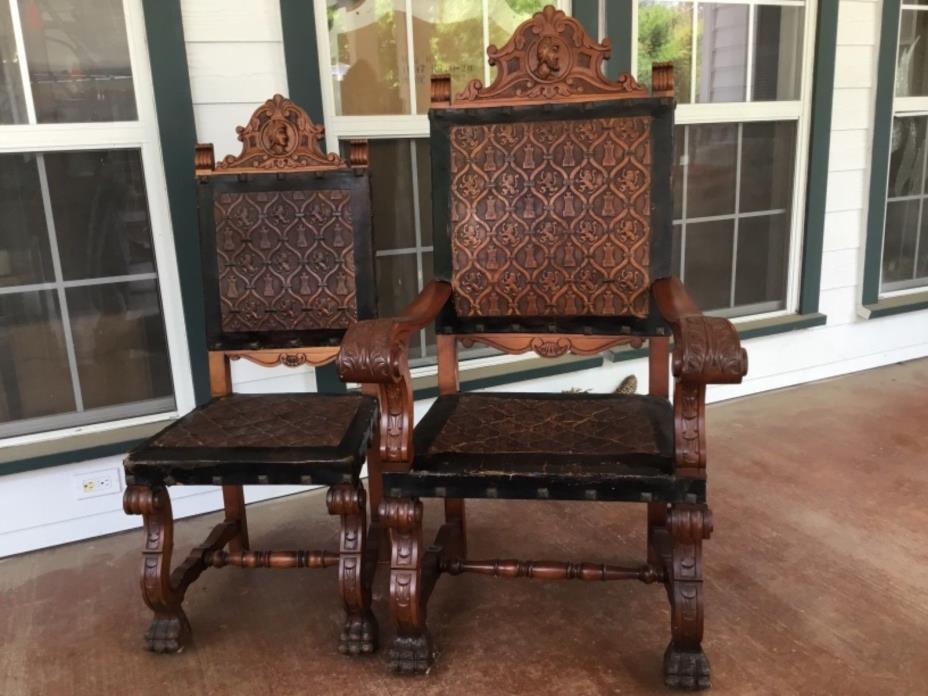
{"x":281,"y":161}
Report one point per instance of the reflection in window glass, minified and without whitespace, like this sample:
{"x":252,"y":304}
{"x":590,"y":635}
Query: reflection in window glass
{"x":82,"y":336}
{"x":721,"y":53}
{"x":905,"y":240}
{"x":713,"y":151}
{"x":24,"y":253}
{"x":447,"y":38}
{"x":101,"y":213}
{"x":665,"y":33}
{"x":707,"y":266}
{"x":368,"y":57}
{"x":777,"y":53}
{"x":12,"y":102}
{"x":714,"y":230}
{"x":78,"y":58}
{"x":506,"y":15}
{"x":912,"y":54}
{"x":119,"y":343}
{"x":34,"y":369}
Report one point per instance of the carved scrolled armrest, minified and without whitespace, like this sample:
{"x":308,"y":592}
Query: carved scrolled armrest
{"x":707,"y":350}
{"x":376,"y":352}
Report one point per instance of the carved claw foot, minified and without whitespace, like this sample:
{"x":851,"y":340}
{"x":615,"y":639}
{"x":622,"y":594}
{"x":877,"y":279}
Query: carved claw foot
{"x":686,"y":669}
{"x":359,"y":635}
{"x":168,"y":633}
{"x":411,"y":654}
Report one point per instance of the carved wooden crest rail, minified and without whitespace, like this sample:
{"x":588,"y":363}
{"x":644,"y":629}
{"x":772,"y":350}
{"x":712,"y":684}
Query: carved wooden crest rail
{"x":549,"y":57}
{"x":279,"y":135}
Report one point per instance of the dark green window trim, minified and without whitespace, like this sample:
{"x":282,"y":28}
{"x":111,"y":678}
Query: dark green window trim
{"x":177,"y":131}
{"x":823,"y":79}
{"x":618,"y":16}
{"x":167,"y":53}
{"x":872,"y":305}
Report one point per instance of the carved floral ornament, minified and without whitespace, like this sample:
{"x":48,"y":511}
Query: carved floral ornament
{"x":550,"y":56}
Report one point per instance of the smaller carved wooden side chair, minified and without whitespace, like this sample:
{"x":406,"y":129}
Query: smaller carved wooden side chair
{"x":552,"y":228}
{"x":286,"y":251}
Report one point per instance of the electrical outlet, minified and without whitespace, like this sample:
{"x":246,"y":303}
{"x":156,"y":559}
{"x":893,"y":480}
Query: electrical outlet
{"x":94,"y":483}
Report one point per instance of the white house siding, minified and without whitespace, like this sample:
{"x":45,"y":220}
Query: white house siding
{"x":236,"y":61}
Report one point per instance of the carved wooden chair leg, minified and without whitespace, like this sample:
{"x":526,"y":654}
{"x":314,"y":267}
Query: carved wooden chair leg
{"x":411,"y":652}
{"x":170,"y":628}
{"x":685,"y":664}
{"x":233,"y":499}
{"x":359,"y":635}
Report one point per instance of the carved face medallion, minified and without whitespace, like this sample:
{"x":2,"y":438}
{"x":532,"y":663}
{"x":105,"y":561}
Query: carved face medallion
{"x":279,"y":137}
{"x":549,"y":59}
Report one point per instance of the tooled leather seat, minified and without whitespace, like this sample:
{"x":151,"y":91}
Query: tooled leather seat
{"x":565,"y":446}
{"x":261,"y":439}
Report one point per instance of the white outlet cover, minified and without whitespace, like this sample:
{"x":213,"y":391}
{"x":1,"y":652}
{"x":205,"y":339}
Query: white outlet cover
{"x":91,"y":484}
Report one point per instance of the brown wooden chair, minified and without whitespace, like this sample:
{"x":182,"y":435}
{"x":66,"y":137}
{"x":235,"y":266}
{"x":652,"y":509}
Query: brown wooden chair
{"x":285,"y":236}
{"x":552,"y":228}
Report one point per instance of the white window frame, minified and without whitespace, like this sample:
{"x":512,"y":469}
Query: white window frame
{"x":903,"y":107}
{"x":799,"y":110}
{"x":142,"y":135}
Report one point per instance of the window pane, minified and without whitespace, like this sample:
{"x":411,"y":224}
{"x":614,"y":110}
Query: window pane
{"x":899,"y":241}
{"x":34,"y":365}
{"x":424,"y":177}
{"x":907,"y":158}
{"x":119,"y":343}
{"x":506,"y":15}
{"x":368,"y":57}
{"x":78,"y":60}
{"x":101,"y":213}
{"x":447,"y":38}
{"x":768,"y":158}
{"x":24,"y":252}
{"x":711,"y":176}
{"x":391,"y":193}
{"x":397,"y":282}
{"x":12,"y":102}
{"x":921,"y":260}
{"x":721,"y":53}
{"x":777,"y":53}
{"x":763,"y":247}
{"x":912,"y":55}
{"x":665,"y":32}
{"x":708,"y":263}
{"x":678,"y":171}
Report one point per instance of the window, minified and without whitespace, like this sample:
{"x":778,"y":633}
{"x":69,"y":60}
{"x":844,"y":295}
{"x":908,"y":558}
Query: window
{"x":90,"y":325}
{"x":904,"y":264}
{"x":742,"y":72}
{"x":377,"y":58}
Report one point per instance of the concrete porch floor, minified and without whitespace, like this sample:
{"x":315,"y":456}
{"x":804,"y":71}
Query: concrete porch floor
{"x":815,"y":580}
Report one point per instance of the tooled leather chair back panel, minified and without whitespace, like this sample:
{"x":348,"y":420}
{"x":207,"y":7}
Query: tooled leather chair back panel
{"x":285,"y":260}
{"x":551,"y":188}
{"x":285,"y":234}
{"x":551,"y":218}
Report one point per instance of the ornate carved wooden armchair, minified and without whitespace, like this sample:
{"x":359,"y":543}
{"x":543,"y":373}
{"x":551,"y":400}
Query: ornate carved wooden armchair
{"x":286,"y":252}
{"x":552,"y":227}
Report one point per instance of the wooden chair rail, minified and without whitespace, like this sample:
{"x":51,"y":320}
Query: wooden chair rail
{"x":273,"y":559}
{"x":550,"y":345}
{"x":552,"y":570}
